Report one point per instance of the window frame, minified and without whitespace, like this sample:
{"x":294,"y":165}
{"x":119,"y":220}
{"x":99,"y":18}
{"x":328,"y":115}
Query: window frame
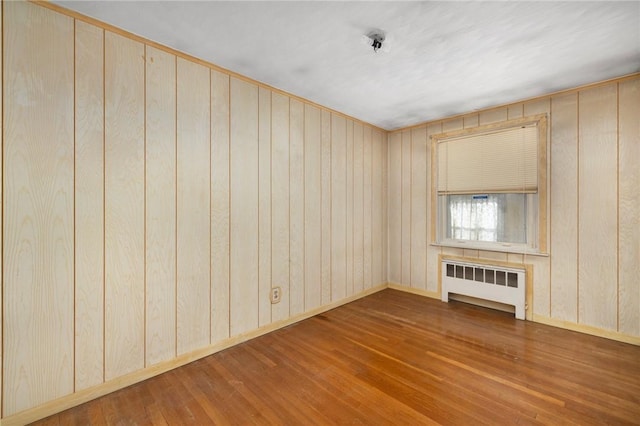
{"x":540,"y":122}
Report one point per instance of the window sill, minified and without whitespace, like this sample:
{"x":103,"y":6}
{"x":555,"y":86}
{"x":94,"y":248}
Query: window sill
{"x":502,"y":248}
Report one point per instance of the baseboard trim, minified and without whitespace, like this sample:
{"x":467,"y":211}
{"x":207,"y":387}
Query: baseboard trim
{"x":86,"y":395}
{"x":418,"y":291}
{"x":587,"y":329}
{"x":567,"y":325}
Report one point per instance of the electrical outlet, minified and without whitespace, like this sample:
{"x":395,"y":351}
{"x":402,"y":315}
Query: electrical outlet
{"x":276,"y":293}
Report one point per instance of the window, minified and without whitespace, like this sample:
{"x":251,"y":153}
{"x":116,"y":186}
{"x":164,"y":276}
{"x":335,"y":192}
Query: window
{"x":489,"y":186}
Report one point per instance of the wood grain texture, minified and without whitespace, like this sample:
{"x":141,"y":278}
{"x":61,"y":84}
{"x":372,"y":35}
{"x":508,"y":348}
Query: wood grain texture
{"x":470,"y":120}
{"x":297,"y":285}
{"x":312,"y":206}
{"x":89,"y":206}
{"x":264,"y":206}
{"x":515,"y":257}
{"x":564,"y":207}
{"x":629,"y":207}
{"x":325,"y":141}
{"x":496,"y":255}
{"x":160,"y":195}
{"x":219,"y":206}
{"x":493,"y":116}
{"x":374,"y":213}
{"x":193,"y":152}
{"x":244,"y":208}
{"x":598,"y":213}
{"x":280,"y":231}
{"x":124,"y":205}
{"x":349,"y":207}
{"x":394,"y":207}
{"x":385,"y":191}
{"x":541,"y":283}
{"x":358,"y":208}
{"x":451,"y":125}
{"x":405,"y":216}
{"x":338,"y":207}
{"x":432,"y":251}
{"x":38,"y":145}
{"x":419,"y":195}
{"x":471,"y":253}
{"x":1,"y":208}
{"x":392,"y":358}
{"x":367,"y":152}
{"x":515,"y":111}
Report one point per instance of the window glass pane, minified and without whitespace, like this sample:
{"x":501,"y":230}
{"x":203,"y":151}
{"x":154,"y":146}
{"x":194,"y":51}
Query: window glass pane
{"x":487,"y":217}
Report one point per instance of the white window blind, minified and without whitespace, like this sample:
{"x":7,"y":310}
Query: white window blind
{"x":500,"y":161}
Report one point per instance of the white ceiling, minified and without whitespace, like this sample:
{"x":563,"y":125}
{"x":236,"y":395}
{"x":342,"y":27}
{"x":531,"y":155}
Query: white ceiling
{"x":439,"y":59}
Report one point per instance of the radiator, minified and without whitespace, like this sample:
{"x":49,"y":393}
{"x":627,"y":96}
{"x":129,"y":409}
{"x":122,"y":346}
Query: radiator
{"x":495,"y":283}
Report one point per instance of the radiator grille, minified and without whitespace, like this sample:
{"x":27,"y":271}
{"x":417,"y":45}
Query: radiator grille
{"x":489,"y":282}
{"x":484,"y":275}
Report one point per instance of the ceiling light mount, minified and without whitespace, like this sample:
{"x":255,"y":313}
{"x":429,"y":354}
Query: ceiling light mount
{"x":376,"y":37}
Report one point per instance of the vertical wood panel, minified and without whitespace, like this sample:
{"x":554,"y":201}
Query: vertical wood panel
{"x":358,"y":210}
{"x":564,"y":207}
{"x":385,"y":220}
{"x":597,"y":268}
{"x":541,"y":283}
{"x":405,"y":220}
{"x":89,"y":206}
{"x":193,"y":206}
{"x":349,"y":207}
{"x":419,"y":192}
{"x":338,"y":207}
{"x":38,"y":205}
{"x":394,"y":207}
{"x":367,"y":152}
{"x":375,"y":211}
{"x":515,"y":111}
{"x":451,"y":125}
{"x":313,"y":206}
{"x":629,"y":204}
{"x":244,"y":207}
{"x":1,"y":209}
{"x":432,"y":251}
{"x":493,"y":116}
{"x":264,"y":205}
{"x":326,"y":205}
{"x":161,"y":206}
{"x":470,"y":120}
{"x":124,"y":205}
{"x":280,"y":203}
{"x":296,"y":207}
{"x":219,"y":206}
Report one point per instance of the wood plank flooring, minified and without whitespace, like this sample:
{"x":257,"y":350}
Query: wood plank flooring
{"x":391,"y":358}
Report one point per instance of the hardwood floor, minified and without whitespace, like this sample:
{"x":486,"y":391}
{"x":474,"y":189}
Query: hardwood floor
{"x":391,"y":358}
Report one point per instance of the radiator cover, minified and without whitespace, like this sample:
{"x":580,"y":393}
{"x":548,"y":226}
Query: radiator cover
{"x":496,"y":283}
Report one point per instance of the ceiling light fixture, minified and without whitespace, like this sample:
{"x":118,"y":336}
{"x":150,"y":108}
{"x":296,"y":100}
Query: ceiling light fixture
{"x":376,"y":37}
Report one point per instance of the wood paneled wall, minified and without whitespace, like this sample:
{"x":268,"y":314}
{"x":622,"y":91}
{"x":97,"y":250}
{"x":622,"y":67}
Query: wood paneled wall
{"x":150,"y":202}
{"x":590,"y":278}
